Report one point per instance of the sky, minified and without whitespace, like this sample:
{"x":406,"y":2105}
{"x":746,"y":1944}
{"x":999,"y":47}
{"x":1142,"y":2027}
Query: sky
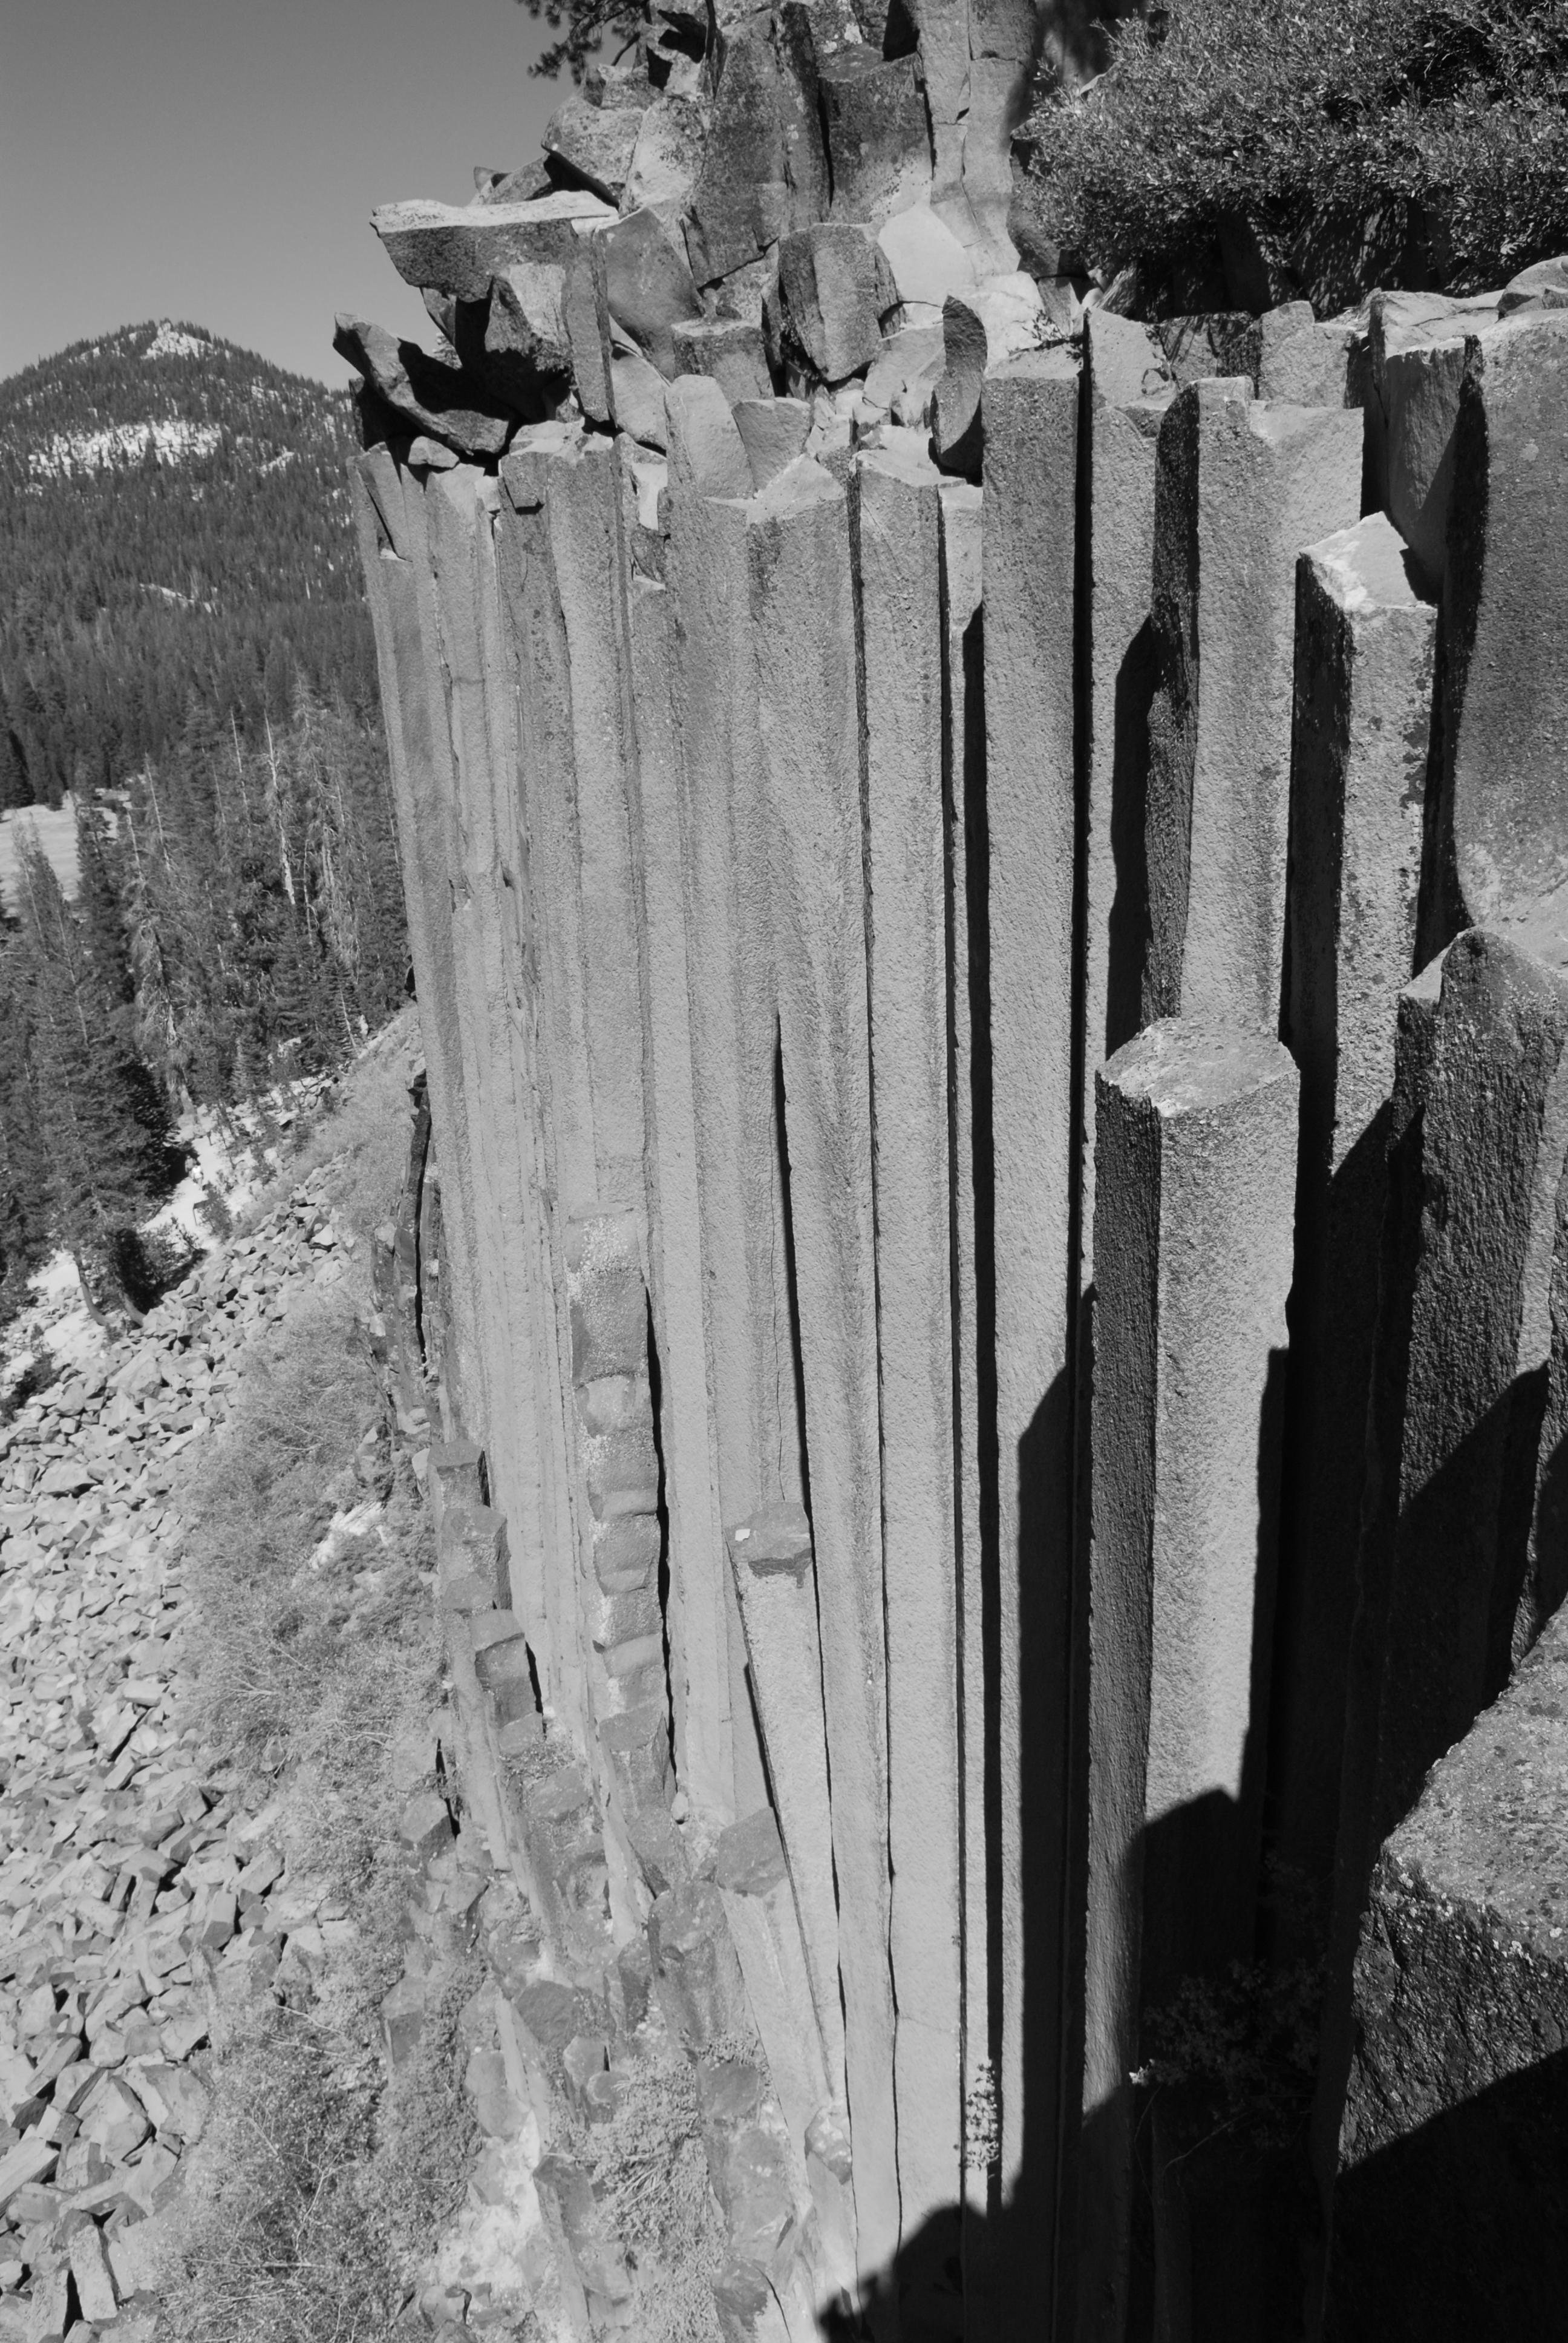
{"x":218,"y":160}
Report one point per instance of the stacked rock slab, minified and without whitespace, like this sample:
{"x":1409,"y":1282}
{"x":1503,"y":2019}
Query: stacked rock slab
{"x":847,"y":700}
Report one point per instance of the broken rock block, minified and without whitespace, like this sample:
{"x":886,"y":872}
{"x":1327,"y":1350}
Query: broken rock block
{"x":457,"y":249}
{"x":929,"y":263}
{"x":649,"y":284}
{"x":1545,"y":284}
{"x":1453,"y":2147}
{"x":1416,"y":346}
{"x":666,"y":162}
{"x":878,"y":146}
{"x":594,"y":144}
{"x":834,"y":289}
{"x":772,"y":432}
{"x":728,"y":348}
{"x":764,"y":171}
{"x":696,"y":1974}
{"x":637,"y":400}
{"x":1004,"y":319}
{"x":431,"y":395}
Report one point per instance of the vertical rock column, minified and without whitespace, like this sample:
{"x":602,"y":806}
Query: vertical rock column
{"x":1415,"y":1027}
{"x":1363,"y":696}
{"x":1127,"y":390}
{"x":419,"y":753}
{"x":1196,"y":1141}
{"x":748,"y":1344}
{"x":1031,"y":412}
{"x":1241,"y":486}
{"x":675,"y":1228}
{"x":1494,"y":1141}
{"x":1506,"y":672}
{"x":963,"y":521}
{"x":895,"y":514}
{"x":803,"y":618}
{"x":459,"y":509}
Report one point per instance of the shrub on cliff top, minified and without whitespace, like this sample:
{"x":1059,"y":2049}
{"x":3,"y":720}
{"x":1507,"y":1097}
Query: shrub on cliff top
{"x":1254,"y":149}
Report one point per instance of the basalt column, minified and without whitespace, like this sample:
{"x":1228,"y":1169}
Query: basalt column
{"x":1242,"y":485}
{"x":1031,"y":414}
{"x":802,"y":615}
{"x":1196,"y":1141}
{"x":1364,"y":640}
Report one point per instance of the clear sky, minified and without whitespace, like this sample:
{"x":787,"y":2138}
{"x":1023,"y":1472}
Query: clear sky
{"x":218,"y":160}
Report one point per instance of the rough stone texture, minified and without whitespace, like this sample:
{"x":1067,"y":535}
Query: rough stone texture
{"x":961,"y":508}
{"x":1454,"y":2153}
{"x":773,"y":433}
{"x":1416,"y":350}
{"x":728,"y":348}
{"x":667,"y":157}
{"x":1196,"y":1136}
{"x":895,"y":515}
{"x":1495,"y":1131}
{"x":879,"y":147}
{"x":648,"y":285}
{"x":433,"y":397}
{"x":1030,"y":411}
{"x":749,"y":1345}
{"x":1505,"y":681}
{"x":1364,"y":648}
{"x":595,"y":143}
{"x":802,"y":608}
{"x":457,"y":250}
{"x":1398,"y":1250}
{"x":1127,"y":387}
{"x":776,"y":1582}
{"x":765,"y":170}
{"x":1241,"y":488}
{"x":834,"y":288}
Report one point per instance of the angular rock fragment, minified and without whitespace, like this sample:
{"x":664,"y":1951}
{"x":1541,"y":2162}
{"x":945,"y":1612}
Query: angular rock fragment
{"x":667,"y":160}
{"x":929,"y":263}
{"x":1452,"y":2152}
{"x":637,"y":400}
{"x":648,"y":285}
{"x":764,"y":171}
{"x":457,"y":249}
{"x":434,"y":399}
{"x":878,"y":146}
{"x":834,"y":288}
{"x":729,"y":350}
{"x":594,"y":143}
{"x":773,"y":433}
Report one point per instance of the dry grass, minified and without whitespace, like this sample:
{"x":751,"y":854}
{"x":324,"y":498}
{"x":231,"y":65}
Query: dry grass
{"x":362,"y":1135}
{"x":314,"y":1669}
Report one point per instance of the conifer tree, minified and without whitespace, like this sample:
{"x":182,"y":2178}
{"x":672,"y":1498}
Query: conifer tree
{"x":104,"y":1128}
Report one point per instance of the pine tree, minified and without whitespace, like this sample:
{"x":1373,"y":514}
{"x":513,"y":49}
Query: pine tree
{"x":104,"y":1128}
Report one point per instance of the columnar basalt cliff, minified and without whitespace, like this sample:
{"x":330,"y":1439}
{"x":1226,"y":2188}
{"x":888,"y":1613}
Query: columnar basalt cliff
{"x":1000,"y":1270}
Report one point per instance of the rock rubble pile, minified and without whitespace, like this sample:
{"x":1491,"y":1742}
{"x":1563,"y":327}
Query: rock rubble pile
{"x":134,"y":1873}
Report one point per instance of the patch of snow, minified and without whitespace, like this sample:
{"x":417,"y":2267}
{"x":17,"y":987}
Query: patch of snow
{"x":122,"y":443}
{"x":168,"y":342}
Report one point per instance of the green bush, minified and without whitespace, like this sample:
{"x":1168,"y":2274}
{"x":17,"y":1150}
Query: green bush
{"x":1252,"y":150}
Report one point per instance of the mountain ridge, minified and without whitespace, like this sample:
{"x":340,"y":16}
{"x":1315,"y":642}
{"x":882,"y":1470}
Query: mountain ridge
{"x":176,"y":545}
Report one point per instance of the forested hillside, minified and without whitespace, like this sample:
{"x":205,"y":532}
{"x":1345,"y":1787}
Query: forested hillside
{"x":175,"y":547}
{"x":182,"y":644}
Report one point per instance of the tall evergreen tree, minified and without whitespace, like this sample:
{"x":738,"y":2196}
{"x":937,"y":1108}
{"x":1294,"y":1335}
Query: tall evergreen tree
{"x":104,"y":1126}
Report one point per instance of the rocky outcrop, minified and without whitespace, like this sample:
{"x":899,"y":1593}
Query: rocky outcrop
{"x":887,"y":788}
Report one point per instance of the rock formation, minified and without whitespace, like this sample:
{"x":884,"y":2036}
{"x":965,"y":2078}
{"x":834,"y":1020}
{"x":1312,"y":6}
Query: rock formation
{"x":922,"y":803}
